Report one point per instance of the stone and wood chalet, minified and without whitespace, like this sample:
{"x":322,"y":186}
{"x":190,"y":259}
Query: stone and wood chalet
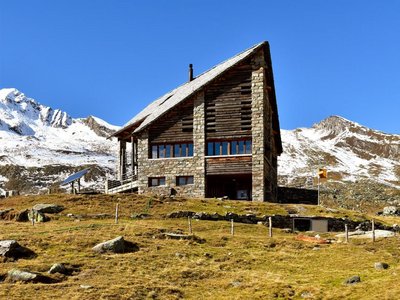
{"x":216,"y":135}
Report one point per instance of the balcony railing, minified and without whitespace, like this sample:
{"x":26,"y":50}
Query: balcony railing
{"x":127,"y":182}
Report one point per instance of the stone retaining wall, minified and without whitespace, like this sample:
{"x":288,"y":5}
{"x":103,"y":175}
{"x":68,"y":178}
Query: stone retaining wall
{"x":297,"y":196}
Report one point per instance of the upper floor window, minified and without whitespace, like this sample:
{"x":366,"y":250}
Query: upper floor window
{"x":171,"y":150}
{"x":229,"y":147}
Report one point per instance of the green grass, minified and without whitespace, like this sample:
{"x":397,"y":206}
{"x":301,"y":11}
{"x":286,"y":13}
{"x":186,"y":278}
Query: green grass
{"x":248,"y":265}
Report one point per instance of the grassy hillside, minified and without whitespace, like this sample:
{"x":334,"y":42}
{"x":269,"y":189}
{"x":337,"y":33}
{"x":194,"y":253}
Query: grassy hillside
{"x":248,"y":265}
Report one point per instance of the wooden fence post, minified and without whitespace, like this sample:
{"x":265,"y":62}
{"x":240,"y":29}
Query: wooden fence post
{"x":270,"y":226}
{"x":346,"y":231}
{"x":116,"y":213}
{"x":33,"y":217}
{"x":232,"y":228}
{"x":373,"y":230}
{"x":190,"y":225}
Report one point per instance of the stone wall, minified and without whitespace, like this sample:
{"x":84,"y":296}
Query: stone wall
{"x":264,"y":167}
{"x":257,"y":126}
{"x":170,"y":168}
{"x":199,"y":141}
{"x":296,"y":195}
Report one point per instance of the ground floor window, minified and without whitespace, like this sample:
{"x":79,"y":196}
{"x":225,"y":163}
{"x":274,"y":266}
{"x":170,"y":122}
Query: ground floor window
{"x":229,"y":147}
{"x":171,"y":150}
{"x":156,"y":181}
{"x":184,"y":180}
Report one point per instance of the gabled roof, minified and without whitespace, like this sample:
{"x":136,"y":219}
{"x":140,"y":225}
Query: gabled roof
{"x":163,"y":104}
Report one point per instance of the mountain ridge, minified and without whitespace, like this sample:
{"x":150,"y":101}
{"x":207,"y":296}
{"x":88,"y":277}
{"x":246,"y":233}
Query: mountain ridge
{"x":348,"y":149}
{"x":35,"y":138}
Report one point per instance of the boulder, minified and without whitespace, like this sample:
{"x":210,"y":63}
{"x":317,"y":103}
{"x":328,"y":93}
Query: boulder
{"x":4,"y":214}
{"x":22,"y":216}
{"x":381,"y":266}
{"x":24,"y":276}
{"x":37,"y":216}
{"x":117,"y":245}
{"x":15,"y":275}
{"x":390,"y":211}
{"x":178,"y":236}
{"x":48,"y":208}
{"x":11,"y":249}
{"x":352,"y":280}
{"x":58,"y":268}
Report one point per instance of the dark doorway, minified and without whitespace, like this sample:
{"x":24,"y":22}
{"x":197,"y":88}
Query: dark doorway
{"x":236,"y":187}
{"x":301,"y":224}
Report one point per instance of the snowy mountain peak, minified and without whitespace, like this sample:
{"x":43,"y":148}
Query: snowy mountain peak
{"x":337,"y":124}
{"x":100,"y":127}
{"x":40,"y":145}
{"x":25,"y":116}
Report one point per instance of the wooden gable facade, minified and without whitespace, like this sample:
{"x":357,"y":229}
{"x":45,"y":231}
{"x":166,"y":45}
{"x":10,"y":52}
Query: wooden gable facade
{"x":217,"y":135}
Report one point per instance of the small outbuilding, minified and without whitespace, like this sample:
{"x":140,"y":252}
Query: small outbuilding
{"x":317,"y":224}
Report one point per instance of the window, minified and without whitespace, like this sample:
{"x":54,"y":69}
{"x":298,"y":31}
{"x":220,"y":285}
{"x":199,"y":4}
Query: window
{"x":184,"y":180}
{"x":217,"y":149}
{"x":190,"y":149}
{"x":154,"y":151}
{"x":161,"y":151}
{"x":210,"y":148}
{"x":171,"y":150}
{"x":229,"y":147}
{"x":241,"y":147}
{"x":156,"y":181}
{"x":248,"y":147}
{"x":234,"y":147}
{"x":224,"y":148}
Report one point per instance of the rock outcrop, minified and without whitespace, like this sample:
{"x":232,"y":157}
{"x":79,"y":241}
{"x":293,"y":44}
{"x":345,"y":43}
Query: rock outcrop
{"x":10,"y":249}
{"x":117,"y":245}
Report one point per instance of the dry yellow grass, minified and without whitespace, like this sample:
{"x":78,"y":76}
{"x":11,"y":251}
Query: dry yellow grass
{"x":248,"y":265}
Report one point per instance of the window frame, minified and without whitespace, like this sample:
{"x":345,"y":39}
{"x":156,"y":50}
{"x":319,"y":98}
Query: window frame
{"x":186,"y":178}
{"x":234,"y":147}
{"x":171,"y":150}
{"x":159,"y":179}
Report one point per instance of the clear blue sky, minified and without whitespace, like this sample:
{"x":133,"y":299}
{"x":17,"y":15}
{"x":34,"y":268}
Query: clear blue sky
{"x":110,"y":58}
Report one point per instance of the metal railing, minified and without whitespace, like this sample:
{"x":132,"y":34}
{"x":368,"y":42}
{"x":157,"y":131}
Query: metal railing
{"x":128,"y":178}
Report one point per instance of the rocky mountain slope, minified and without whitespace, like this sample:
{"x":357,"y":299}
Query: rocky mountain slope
{"x":351,"y":152}
{"x":363,"y":164}
{"x":40,"y":146}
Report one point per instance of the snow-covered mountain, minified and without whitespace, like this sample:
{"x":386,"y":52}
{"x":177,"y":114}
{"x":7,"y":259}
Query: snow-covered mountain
{"x":34,"y":137}
{"x":350,"y":151}
{"x":40,"y":146}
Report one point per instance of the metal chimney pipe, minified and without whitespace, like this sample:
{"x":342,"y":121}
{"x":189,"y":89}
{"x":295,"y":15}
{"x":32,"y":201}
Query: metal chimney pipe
{"x":190,"y":72}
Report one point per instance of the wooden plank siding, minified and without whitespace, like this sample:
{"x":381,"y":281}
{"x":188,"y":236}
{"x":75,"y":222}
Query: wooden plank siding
{"x":175,"y":126}
{"x":228,"y":105}
{"x":228,"y":165}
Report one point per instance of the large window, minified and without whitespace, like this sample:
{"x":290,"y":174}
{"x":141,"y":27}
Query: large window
{"x":184,"y":180}
{"x":171,"y":150}
{"x":156,"y":181}
{"x":229,"y":147}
